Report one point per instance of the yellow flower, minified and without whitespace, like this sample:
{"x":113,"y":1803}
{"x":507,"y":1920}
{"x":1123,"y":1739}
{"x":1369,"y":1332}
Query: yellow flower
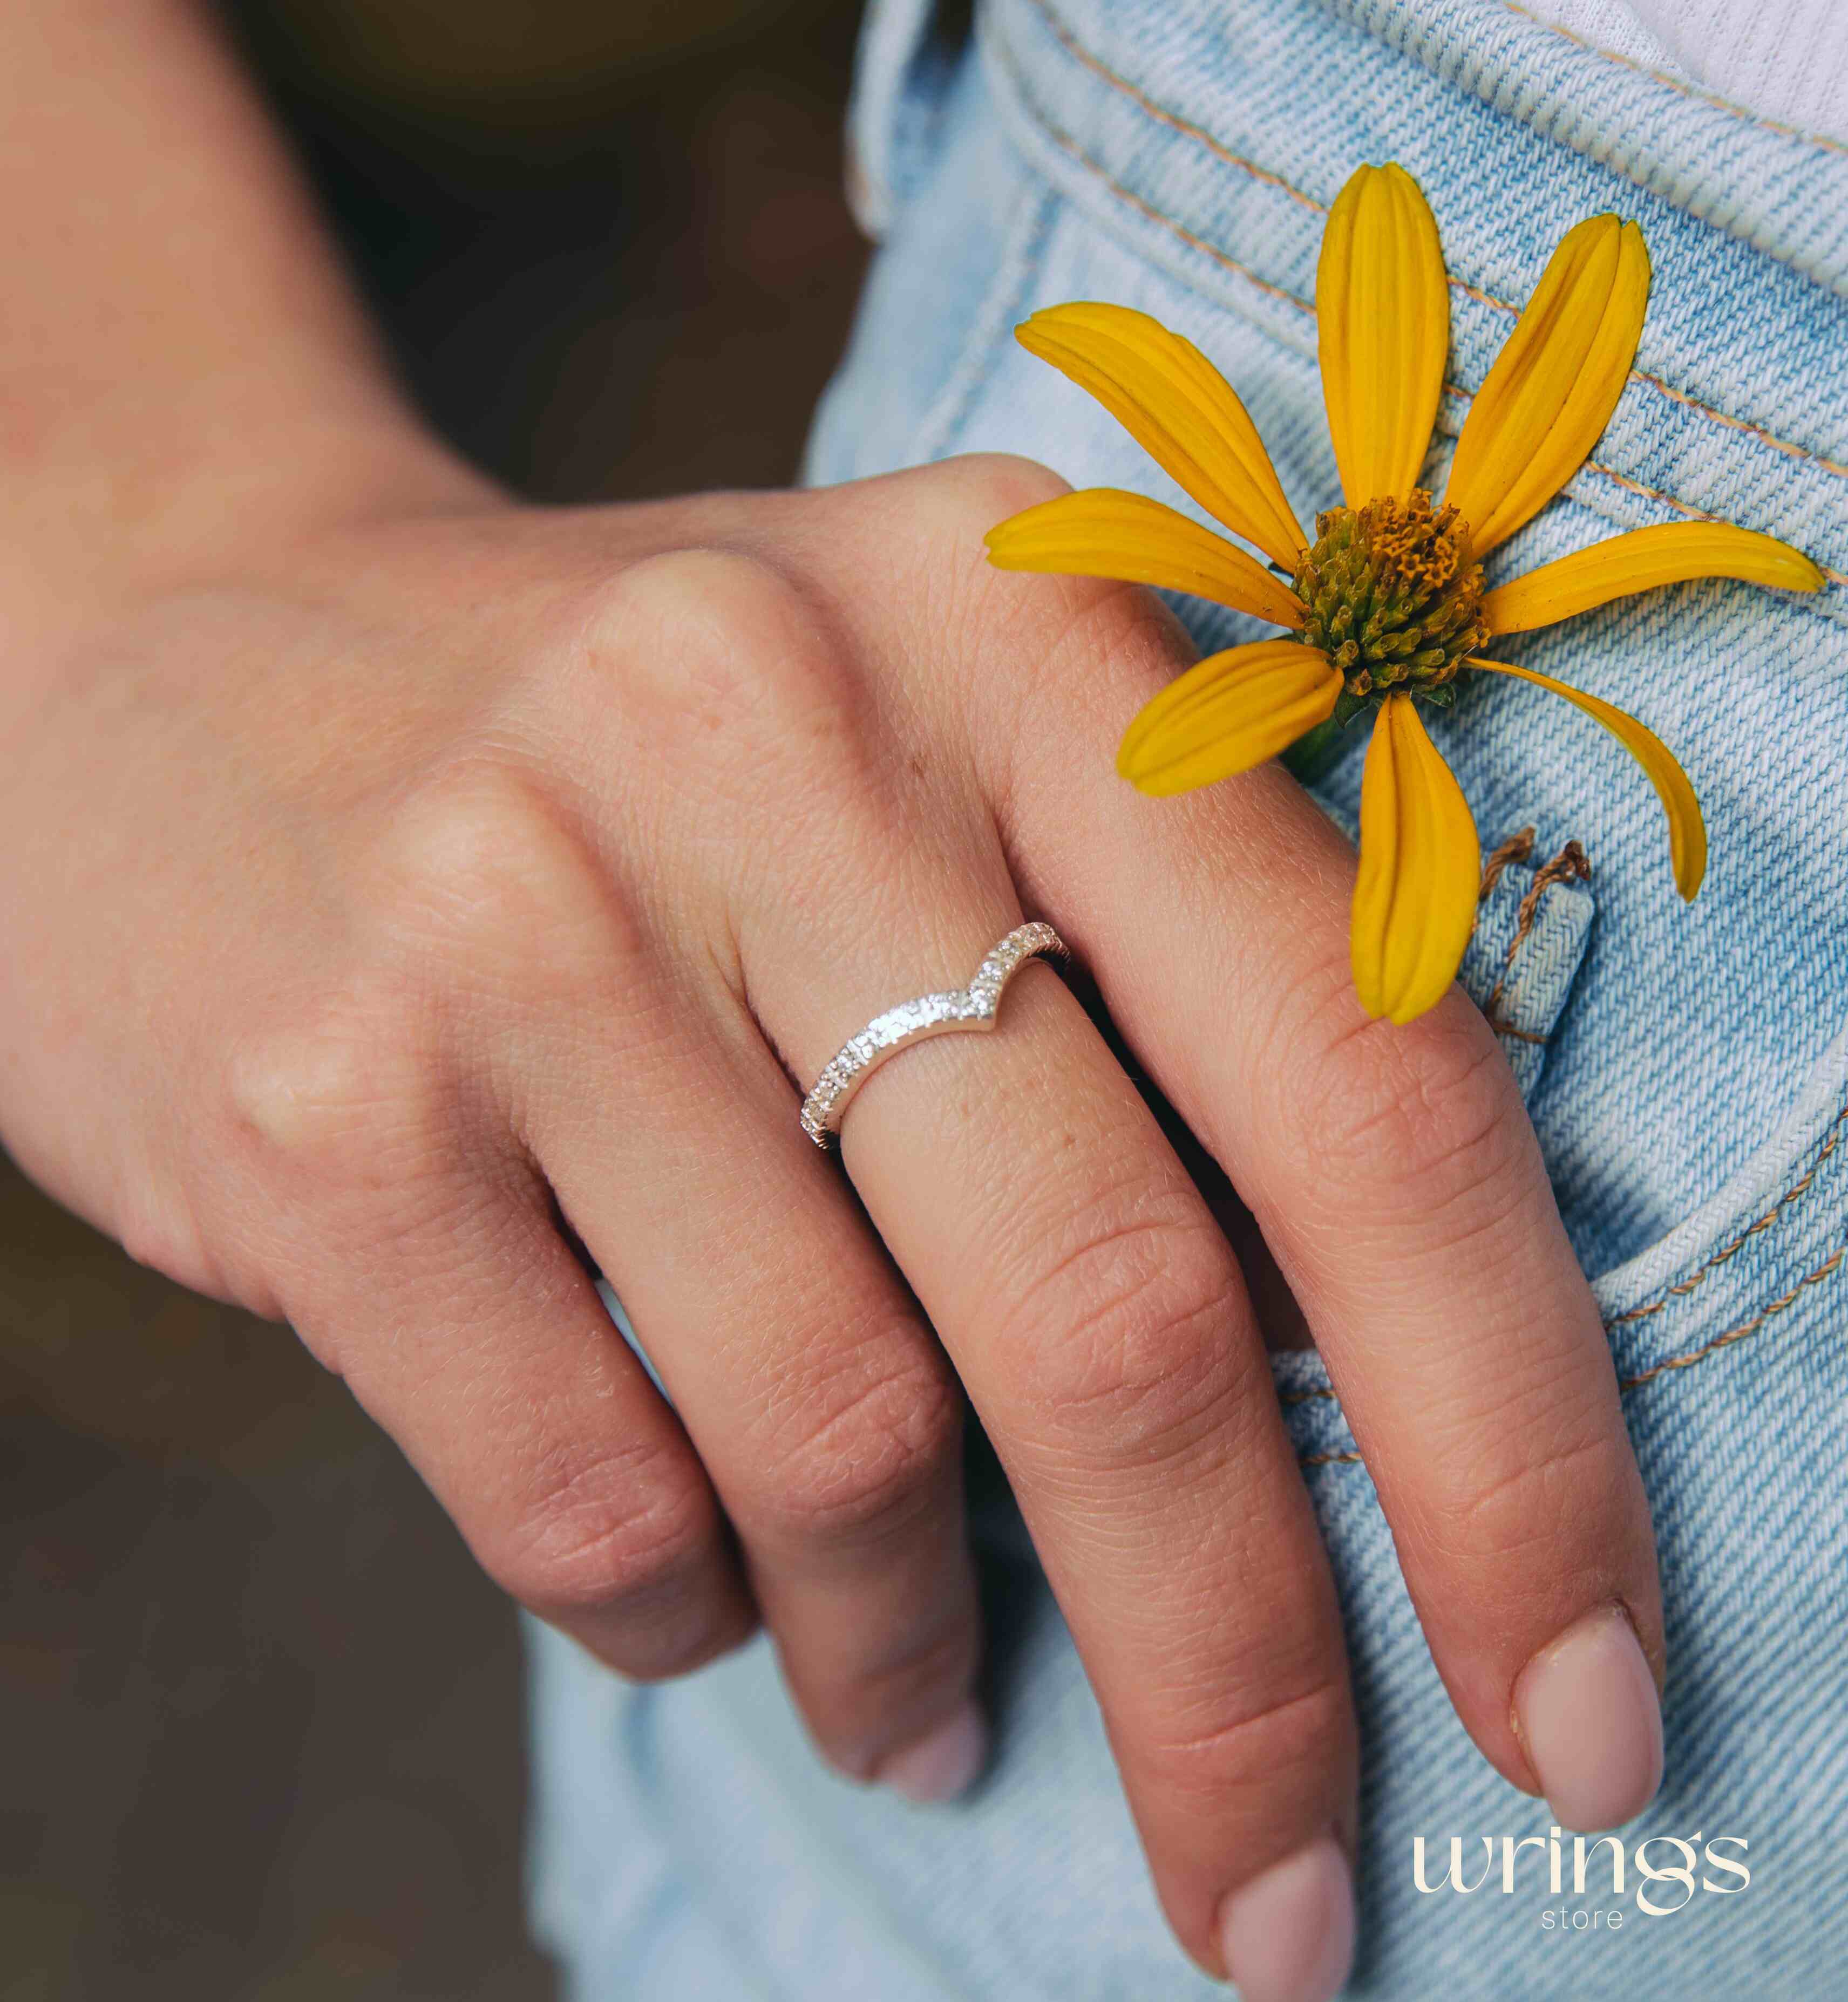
{"x":1386,"y":605}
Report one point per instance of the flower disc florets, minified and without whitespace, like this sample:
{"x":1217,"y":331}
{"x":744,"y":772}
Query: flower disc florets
{"x":1392,"y":597}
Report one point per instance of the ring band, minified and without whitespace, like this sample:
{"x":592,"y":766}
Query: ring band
{"x":974,"y":1006}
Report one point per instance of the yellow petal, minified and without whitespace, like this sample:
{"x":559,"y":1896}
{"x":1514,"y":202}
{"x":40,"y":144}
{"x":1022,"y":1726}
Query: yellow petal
{"x":1414,"y":905}
{"x":1556,"y":381}
{"x":1687,"y":831}
{"x":1672,"y":553}
{"x":1382,"y":310}
{"x":1178,"y":408}
{"x":1105,"y":532}
{"x":1230,"y":712}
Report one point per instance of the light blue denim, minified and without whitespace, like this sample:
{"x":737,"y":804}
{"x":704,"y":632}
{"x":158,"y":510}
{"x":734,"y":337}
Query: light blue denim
{"x":1686,"y":1068}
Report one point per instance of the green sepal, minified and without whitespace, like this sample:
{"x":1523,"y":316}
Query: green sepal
{"x":1317,"y":751}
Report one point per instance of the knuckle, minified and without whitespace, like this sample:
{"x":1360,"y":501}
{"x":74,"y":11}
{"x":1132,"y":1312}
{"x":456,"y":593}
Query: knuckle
{"x":160,"y":1232}
{"x":1536,"y":1496}
{"x":1273,"y":1744}
{"x":716,"y":651}
{"x":1125,"y":1344}
{"x":892,"y":1693}
{"x":980,"y":489}
{"x":484,"y":857}
{"x":902,"y":1677}
{"x":1422,"y":1121}
{"x":1107,"y":644}
{"x":1098,"y":645}
{"x":350,"y":1078}
{"x":674,"y":1640}
{"x":880,"y":1456}
{"x":624,"y":1532}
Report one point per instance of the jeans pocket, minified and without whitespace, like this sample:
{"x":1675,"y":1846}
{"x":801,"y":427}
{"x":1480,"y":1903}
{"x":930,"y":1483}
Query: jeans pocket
{"x":1726,"y":1340}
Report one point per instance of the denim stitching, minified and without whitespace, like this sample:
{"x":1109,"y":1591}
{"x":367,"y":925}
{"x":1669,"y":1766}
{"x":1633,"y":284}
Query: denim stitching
{"x":1066,"y":143}
{"x":1827,"y":1270}
{"x":1568,"y":866}
{"x":1519,"y":848}
{"x":1832,"y":467}
{"x":1776,"y":1214}
{"x":1831,"y":1266}
{"x":1830,"y":1269}
{"x":1797,"y":1190}
{"x":1681,"y":89}
{"x":1068,"y":40}
{"x":1063,"y":34}
{"x":1693,"y":514}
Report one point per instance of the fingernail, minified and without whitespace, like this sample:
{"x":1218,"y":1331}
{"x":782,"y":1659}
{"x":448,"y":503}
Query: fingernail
{"x":1589,"y":1716}
{"x":1288,"y":1936}
{"x":941,"y":1766}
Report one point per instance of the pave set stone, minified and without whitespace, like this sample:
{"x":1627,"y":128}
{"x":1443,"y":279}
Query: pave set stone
{"x":974,"y":1006}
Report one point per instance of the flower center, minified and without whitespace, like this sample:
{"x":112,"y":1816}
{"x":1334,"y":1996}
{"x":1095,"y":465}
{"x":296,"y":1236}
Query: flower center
{"x":1392,"y":596}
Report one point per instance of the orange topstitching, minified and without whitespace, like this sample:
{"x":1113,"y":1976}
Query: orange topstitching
{"x":1797,"y":1189}
{"x":1830,"y":1269}
{"x":1827,"y":1270}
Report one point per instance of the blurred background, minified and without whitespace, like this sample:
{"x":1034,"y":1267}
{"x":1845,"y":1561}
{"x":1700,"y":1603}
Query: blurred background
{"x":259,"y":1716}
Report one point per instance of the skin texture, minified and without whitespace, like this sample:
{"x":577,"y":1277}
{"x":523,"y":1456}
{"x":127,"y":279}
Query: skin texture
{"x":391,"y":873}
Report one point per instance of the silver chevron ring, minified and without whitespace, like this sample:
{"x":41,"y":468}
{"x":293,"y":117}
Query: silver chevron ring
{"x":974,"y":1006}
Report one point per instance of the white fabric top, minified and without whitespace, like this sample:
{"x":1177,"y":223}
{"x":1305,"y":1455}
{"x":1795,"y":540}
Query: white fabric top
{"x":1784,"y":60}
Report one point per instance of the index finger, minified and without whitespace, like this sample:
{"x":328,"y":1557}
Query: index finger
{"x":1395,"y":1176}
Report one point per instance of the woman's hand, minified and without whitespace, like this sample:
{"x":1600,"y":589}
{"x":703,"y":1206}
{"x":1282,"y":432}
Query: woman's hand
{"x":374,"y":904}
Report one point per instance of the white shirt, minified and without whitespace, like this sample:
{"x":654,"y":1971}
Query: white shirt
{"x":1783,"y":60}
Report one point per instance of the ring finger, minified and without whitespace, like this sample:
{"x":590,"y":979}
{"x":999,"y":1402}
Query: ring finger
{"x":1095,"y":1313}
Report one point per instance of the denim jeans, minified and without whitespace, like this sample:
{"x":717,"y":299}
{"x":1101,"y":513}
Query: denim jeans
{"x":1686,"y":1068}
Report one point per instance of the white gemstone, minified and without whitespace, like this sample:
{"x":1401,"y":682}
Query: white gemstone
{"x":977,"y":1007}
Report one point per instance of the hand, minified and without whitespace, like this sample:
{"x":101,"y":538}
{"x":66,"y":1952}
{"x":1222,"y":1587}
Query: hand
{"x":376,"y":903}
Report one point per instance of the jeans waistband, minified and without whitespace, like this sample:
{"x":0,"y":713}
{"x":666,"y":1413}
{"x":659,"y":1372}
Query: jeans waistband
{"x":1215,"y":136}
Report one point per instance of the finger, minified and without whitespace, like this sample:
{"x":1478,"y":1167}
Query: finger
{"x":1395,"y":1176}
{"x":477,"y":1340}
{"x":823,"y":1408}
{"x":1095,"y":1314}
{"x":816,"y":1394}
